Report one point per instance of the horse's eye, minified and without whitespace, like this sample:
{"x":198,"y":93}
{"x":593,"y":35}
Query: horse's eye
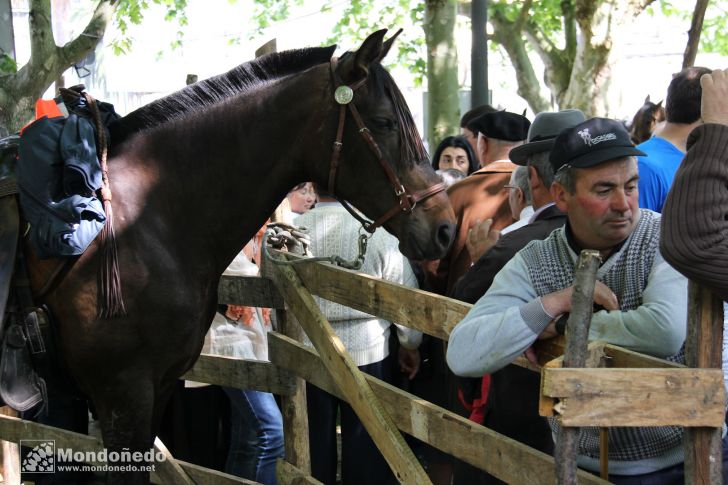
{"x":384,"y":124}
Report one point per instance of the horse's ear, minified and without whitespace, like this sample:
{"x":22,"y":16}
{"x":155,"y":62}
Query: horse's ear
{"x":647,"y":99}
{"x":659,"y":104}
{"x":356,"y":67}
{"x":388,"y":45}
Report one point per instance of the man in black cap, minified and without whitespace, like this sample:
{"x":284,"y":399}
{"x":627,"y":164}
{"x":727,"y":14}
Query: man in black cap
{"x":642,"y":301}
{"x":480,"y":196}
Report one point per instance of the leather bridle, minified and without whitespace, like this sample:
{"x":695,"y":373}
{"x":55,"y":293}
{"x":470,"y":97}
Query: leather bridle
{"x":407,"y":200}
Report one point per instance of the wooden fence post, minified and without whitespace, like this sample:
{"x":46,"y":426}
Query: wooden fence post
{"x":575,"y":356}
{"x":703,"y":348}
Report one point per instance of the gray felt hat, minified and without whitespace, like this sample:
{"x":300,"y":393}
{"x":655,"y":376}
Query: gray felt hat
{"x":545,"y":128}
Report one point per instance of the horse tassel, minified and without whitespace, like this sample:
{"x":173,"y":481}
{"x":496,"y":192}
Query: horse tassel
{"x":110,"y":299}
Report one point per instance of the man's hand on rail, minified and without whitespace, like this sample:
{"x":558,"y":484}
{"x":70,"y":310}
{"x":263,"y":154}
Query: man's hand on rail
{"x":409,"y":361}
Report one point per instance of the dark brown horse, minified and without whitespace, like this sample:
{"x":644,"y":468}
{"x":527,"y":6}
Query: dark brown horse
{"x":194,"y":175}
{"x":645,"y":120}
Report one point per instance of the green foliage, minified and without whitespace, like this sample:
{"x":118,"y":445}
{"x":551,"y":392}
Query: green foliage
{"x":7,"y":64}
{"x":362,"y":17}
{"x":714,"y":37}
{"x":131,"y":12}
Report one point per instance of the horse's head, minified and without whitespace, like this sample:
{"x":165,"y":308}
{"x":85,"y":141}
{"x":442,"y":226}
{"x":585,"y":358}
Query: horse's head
{"x":646,"y":120}
{"x":378,"y":162}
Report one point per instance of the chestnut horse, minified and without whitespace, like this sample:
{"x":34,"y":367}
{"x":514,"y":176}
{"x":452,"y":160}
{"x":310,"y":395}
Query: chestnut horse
{"x":194,"y":175}
{"x":646,"y":120}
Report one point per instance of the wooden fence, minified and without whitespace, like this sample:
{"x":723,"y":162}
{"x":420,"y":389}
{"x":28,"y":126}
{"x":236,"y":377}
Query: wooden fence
{"x":622,"y":388}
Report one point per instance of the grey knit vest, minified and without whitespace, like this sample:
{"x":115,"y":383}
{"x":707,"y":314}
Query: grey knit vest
{"x":551,"y":268}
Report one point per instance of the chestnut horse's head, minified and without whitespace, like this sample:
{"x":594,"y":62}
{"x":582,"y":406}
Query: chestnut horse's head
{"x":378,"y":162}
{"x":646,"y":120}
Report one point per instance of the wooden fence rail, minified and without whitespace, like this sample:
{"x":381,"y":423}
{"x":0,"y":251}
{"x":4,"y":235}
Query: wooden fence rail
{"x":395,"y":409}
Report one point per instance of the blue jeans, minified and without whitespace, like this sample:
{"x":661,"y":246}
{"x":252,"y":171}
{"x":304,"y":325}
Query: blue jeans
{"x":256,"y":435}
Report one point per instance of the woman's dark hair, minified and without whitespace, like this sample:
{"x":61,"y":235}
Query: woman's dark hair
{"x":457,"y":142}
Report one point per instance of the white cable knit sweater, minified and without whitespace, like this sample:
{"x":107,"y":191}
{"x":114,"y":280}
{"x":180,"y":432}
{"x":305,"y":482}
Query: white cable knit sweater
{"x":334,"y":231}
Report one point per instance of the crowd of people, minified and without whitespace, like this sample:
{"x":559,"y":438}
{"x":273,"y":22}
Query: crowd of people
{"x":528,"y":197}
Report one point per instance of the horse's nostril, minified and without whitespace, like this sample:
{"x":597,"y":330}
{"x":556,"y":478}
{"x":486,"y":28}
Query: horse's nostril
{"x":445,"y":235}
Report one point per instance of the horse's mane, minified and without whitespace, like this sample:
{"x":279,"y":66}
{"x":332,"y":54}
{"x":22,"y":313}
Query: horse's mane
{"x":380,"y":82}
{"x":210,"y":91}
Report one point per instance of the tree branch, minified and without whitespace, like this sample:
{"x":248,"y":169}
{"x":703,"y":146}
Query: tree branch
{"x":567,"y":10}
{"x":512,"y":41}
{"x":523,"y":16}
{"x":87,"y":41}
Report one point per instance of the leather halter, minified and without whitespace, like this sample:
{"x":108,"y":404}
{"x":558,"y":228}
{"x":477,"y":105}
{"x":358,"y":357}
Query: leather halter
{"x":407,"y":200}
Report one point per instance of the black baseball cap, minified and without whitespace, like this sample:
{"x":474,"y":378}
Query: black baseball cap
{"x":590,"y":143}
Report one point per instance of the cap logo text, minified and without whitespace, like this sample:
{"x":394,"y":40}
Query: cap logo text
{"x":589,"y":141}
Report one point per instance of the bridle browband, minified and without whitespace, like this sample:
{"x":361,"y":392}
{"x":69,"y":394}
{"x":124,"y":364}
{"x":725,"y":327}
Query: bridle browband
{"x":344,"y":95}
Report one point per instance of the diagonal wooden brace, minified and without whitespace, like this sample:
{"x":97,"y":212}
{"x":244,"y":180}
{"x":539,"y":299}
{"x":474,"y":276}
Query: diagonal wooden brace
{"x":348,"y":378}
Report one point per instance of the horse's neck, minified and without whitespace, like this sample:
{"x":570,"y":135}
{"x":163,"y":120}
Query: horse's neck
{"x":234,"y":163}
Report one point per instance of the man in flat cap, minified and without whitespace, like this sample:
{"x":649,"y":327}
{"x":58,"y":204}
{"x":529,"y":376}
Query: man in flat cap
{"x":481,"y":195}
{"x":641,"y":301}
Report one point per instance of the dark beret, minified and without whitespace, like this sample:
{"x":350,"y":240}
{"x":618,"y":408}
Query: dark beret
{"x":501,"y":125}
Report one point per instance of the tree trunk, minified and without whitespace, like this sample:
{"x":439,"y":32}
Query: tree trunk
{"x":47,"y":63}
{"x":442,"y":70}
{"x":696,"y":28}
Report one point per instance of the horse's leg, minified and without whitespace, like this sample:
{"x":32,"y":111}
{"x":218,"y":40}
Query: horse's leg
{"x":125,"y":409}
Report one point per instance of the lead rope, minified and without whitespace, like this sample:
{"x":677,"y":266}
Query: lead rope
{"x":110,"y":301}
{"x":296,"y":240}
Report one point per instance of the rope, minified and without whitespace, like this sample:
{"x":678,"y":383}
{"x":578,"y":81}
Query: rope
{"x":111,"y":302}
{"x":296,"y":240}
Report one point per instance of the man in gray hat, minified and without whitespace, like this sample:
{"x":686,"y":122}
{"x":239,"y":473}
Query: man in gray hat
{"x":641,"y":302}
{"x":511,"y":406}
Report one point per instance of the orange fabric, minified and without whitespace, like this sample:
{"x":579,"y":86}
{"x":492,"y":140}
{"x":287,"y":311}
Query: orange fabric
{"x":47,"y":107}
{"x":479,"y":196}
{"x":44,"y":107}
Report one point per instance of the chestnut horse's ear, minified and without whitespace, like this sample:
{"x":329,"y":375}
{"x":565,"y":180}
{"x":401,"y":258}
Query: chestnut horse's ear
{"x":356,"y":67}
{"x":659,"y":104}
{"x":388,"y":45}
{"x":647,"y":99}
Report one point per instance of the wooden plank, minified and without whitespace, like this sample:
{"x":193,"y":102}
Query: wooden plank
{"x":242,"y":374}
{"x":432,"y":314}
{"x":287,"y":474}
{"x":481,"y":447}
{"x":703,"y":348}
{"x":621,"y":357}
{"x":14,"y":429}
{"x":249,"y":291}
{"x":168,"y":470}
{"x":207,"y":476}
{"x":376,"y":421}
{"x":11,"y":455}
{"x":637,"y":397}
{"x":294,"y":408}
